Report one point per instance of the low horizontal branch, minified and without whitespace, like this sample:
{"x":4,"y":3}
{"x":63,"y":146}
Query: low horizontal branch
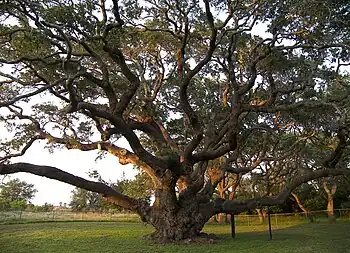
{"x":238,"y":206}
{"x":54,"y":173}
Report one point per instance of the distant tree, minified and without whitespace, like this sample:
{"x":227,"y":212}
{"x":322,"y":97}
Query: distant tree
{"x":43,"y":208}
{"x":342,"y":195}
{"x":16,"y":193}
{"x":139,"y":187}
{"x":335,"y":191}
{"x":324,"y":194}
{"x":330,"y":201}
{"x":312,"y":196}
{"x":18,"y":204}
{"x":83,"y":200}
{"x":4,"y":204}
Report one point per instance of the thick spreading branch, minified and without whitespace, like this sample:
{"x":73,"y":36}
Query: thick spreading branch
{"x":335,"y":156}
{"x":60,"y":175}
{"x":95,"y":58}
{"x":184,"y":101}
{"x":124,"y":156}
{"x":128,"y":133}
{"x":117,"y":55}
{"x":237,"y":206}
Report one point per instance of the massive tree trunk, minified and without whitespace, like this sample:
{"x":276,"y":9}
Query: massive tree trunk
{"x":303,"y":208}
{"x":187,"y":222}
{"x":330,"y":205}
{"x":176,"y":220}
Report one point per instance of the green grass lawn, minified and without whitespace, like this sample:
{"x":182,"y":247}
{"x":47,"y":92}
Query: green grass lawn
{"x":128,"y":237}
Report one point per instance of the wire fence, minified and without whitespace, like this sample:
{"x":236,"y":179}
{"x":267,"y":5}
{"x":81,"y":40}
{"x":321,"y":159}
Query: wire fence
{"x":283,"y":218}
{"x":19,"y":216}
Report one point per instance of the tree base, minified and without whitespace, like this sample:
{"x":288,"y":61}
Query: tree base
{"x":200,"y":238}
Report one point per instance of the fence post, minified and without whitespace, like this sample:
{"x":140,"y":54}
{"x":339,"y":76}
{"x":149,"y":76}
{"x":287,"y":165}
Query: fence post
{"x":269,"y":220}
{"x":233,"y":226}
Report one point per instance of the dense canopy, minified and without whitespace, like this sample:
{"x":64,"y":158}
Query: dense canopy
{"x":199,"y":89}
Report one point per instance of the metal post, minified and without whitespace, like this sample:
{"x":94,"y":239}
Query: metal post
{"x":233,"y":226}
{"x":269,"y":220}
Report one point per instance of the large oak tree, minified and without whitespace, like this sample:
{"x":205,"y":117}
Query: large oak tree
{"x":254,"y":88}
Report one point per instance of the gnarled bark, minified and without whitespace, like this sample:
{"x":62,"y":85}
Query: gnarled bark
{"x":178,"y":223}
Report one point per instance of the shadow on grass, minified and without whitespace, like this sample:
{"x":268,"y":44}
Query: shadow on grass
{"x":303,"y":234}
